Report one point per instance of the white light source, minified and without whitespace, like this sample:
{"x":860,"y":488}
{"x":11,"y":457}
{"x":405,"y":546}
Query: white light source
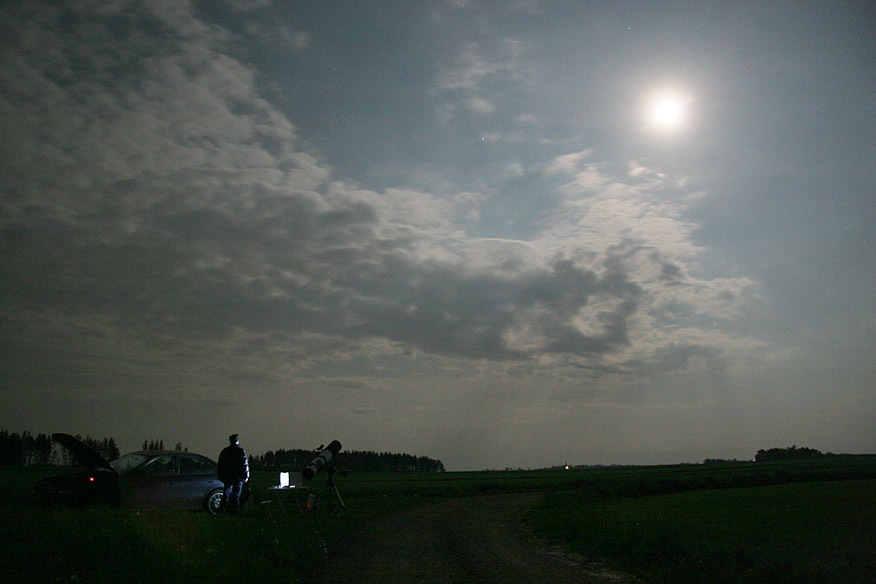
{"x":668,"y":110}
{"x":284,"y":479}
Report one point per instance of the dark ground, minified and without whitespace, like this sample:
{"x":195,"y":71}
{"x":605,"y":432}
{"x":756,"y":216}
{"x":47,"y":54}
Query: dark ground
{"x":475,"y":540}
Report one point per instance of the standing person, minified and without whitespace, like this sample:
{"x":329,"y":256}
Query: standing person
{"x":233,"y":472}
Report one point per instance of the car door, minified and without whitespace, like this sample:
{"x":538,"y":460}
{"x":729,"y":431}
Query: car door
{"x":155,"y":483}
{"x":197,"y":477}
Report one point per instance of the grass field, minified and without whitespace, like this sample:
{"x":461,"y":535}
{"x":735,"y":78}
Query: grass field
{"x":790,"y":522}
{"x":793,"y":533}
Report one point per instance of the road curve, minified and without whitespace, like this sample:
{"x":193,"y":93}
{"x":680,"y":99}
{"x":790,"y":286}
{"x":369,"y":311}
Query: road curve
{"x":475,"y":540}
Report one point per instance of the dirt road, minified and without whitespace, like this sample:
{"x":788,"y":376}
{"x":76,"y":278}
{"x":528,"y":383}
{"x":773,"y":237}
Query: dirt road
{"x":476,"y":540}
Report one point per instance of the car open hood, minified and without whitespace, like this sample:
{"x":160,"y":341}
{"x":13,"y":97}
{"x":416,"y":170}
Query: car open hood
{"x":87,"y":455}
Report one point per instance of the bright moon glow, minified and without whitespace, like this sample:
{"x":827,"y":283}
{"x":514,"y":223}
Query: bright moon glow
{"x":668,"y":110}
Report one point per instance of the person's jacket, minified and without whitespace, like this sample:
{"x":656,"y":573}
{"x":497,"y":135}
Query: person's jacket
{"x":233,"y":465}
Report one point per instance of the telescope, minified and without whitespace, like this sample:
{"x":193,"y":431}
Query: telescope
{"x":321,"y":460}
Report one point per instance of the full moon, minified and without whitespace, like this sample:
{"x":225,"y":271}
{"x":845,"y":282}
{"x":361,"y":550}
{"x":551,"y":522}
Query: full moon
{"x":668,"y":110}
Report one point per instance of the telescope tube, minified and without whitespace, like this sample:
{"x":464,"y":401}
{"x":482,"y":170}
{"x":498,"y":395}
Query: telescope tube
{"x":321,"y":460}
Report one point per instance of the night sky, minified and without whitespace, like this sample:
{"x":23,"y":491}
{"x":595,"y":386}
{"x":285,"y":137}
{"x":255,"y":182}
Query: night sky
{"x":501,"y":234}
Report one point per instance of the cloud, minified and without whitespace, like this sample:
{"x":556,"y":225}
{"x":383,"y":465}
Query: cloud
{"x":567,"y":163}
{"x":636,"y":229}
{"x":246,"y":5}
{"x":156,"y":205}
{"x":279,"y":37}
{"x":479,"y":105}
{"x":476,"y":82}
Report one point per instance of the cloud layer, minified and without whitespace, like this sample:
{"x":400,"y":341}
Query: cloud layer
{"x":152,"y":194}
{"x":258,"y":205}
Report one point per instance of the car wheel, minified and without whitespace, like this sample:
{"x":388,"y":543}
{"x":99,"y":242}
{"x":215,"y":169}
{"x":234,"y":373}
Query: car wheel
{"x":214,"y":501}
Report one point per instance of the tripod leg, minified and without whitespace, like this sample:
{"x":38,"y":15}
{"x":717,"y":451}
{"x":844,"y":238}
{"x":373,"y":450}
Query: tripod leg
{"x":344,"y":507}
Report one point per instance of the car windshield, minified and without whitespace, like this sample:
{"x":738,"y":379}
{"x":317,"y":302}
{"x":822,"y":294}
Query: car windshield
{"x":128,"y":462}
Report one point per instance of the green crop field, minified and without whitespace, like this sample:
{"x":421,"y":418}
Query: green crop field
{"x":798,"y":532}
{"x":782,"y":522}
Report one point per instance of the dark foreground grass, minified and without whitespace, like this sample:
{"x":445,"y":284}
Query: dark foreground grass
{"x":674,"y":524}
{"x":112,"y":545}
{"x":795,"y":533}
{"x":102,"y":545}
{"x":263,"y":544}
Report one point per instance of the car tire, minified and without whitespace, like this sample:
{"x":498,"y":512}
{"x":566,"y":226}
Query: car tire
{"x":214,"y":501}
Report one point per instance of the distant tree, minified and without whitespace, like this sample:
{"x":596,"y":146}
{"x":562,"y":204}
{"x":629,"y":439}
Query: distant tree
{"x":354,"y":460}
{"x":723,"y":461}
{"x":153,"y":445}
{"x":11,"y":449}
{"x":111,"y":449}
{"x":42,"y":450}
{"x":791,"y":453}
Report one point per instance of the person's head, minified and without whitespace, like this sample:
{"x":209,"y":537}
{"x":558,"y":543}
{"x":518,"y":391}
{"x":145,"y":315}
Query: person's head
{"x":232,"y":439}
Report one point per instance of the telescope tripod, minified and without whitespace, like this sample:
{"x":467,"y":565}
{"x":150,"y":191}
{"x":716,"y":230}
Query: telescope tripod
{"x":330,"y":486}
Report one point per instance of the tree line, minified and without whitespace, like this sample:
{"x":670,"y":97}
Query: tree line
{"x":26,"y":449}
{"x":790,"y":453}
{"x":159,"y":445}
{"x":350,"y":460}
{"x":783,"y":454}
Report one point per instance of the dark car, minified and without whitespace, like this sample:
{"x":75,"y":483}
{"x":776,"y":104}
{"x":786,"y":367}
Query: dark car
{"x":146,"y":479}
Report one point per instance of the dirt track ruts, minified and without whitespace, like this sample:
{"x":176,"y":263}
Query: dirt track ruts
{"x":475,"y":540}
